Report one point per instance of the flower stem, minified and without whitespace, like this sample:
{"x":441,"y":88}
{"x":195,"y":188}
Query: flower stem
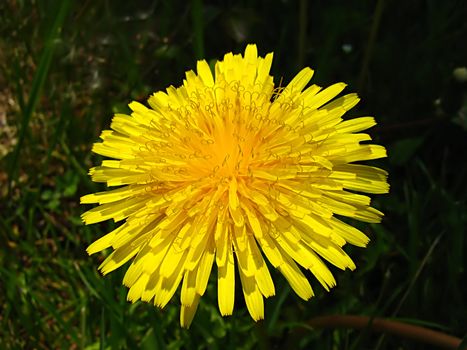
{"x":410,"y":331}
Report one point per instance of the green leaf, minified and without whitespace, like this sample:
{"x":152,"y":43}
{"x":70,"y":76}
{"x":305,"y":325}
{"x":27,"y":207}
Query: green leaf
{"x":401,"y":151}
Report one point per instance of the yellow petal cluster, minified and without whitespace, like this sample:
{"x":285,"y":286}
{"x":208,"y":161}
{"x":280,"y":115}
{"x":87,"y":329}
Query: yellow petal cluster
{"x":230,"y":170}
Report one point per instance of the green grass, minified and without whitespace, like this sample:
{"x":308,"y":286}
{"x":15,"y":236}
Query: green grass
{"x":67,"y":66}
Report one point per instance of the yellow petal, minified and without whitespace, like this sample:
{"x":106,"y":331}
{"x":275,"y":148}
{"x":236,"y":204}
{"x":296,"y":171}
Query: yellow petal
{"x":299,"y":81}
{"x":204,"y":269}
{"x":188,"y":312}
{"x":253,"y":297}
{"x":226,"y":283}
{"x":138,"y":288}
{"x":118,"y":258}
{"x":188,"y":292}
{"x":296,"y":279}
{"x":169,"y":285}
{"x":204,"y":73}
{"x":104,"y":242}
{"x":325,"y":95}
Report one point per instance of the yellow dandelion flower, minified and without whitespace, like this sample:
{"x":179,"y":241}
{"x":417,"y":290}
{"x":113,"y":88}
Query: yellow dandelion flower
{"x":229,"y":169}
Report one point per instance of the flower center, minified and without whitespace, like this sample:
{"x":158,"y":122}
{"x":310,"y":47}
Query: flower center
{"x":225,"y":156}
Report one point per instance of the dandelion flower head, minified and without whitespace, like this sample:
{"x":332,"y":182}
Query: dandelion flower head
{"x":230,"y":171}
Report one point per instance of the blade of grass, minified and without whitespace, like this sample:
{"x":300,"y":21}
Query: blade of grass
{"x":417,"y":274}
{"x":302,"y":32}
{"x":197,"y":18}
{"x":37,"y":86}
{"x":356,"y":344}
{"x":277,"y":309}
{"x":52,"y":310}
{"x":370,"y":46}
{"x":78,"y":167}
{"x":102,"y":330}
{"x":59,"y":130}
{"x":412,"y":283}
{"x":83,"y":326}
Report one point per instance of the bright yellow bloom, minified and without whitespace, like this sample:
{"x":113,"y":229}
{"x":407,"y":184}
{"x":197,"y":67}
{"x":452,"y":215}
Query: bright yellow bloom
{"x":228,"y":168}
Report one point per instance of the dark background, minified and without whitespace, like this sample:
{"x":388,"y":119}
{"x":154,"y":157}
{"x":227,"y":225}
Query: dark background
{"x":67,"y":66}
